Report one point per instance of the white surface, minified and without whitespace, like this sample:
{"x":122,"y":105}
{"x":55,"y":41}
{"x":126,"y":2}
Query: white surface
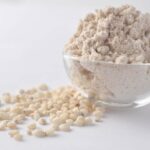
{"x":32,"y":37}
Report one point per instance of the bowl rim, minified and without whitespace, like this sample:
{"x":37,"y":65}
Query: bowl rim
{"x":78,"y":58}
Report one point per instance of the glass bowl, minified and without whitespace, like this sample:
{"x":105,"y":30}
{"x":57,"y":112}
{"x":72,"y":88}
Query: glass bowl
{"x":117,"y":85}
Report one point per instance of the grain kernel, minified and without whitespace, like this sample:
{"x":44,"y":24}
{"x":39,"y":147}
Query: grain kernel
{"x":18,"y":137}
{"x":80,"y":121}
{"x":98,"y":114}
{"x":29,"y":131}
{"x":73,"y":116}
{"x":42,"y":121}
{"x":69,"y":121}
{"x":13,"y":132}
{"x":56,"y":121}
{"x":38,"y":133}
{"x":55,"y":126}
{"x":31,"y":126}
{"x":50,"y":132}
{"x":11,"y":125}
{"x":36,"y":116}
{"x":2,"y":127}
{"x":4,"y":116}
{"x":64,"y":127}
{"x":88,"y":121}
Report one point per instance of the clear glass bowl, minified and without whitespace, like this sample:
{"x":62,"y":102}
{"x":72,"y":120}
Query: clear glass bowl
{"x":118,"y":85}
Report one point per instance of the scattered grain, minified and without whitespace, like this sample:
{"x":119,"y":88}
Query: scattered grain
{"x":42,"y":121}
{"x":64,"y":127}
{"x":38,"y":133}
{"x":31,"y":126}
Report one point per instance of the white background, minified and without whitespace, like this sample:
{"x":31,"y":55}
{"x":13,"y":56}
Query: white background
{"x":32,"y":37}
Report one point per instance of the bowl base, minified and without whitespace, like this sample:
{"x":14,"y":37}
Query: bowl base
{"x":135,"y":104}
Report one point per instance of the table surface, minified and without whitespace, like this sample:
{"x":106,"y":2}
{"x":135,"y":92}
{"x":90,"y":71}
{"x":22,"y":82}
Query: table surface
{"x":32,"y":37}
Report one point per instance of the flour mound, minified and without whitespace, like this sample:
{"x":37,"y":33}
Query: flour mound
{"x":115,"y":35}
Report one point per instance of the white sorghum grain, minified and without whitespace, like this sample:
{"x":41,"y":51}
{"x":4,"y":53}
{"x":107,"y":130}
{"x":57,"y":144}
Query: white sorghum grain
{"x":11,"y":125}
{"x":18,"y":137}
{"x":73,"y":116}
{"x":98,"y":115}
{"x":4,"y":123}
{"x":64,"y":127}
{"x":4,"y":116}
{"x":32,"y":126}
{"x":50,"y":132}
{"x":80,"y":121}
{"x":18,"y":119}
{"x":69,"y":122}
{"x":88,"y":121}
{"x":2,"y":127}
{"x":63,"y":107}
{"x":36,"y":116}
{"x":38,"y":133}
{"x":55,"y":126}
{"x":42,"y":121}
{"x":29,"y":131}
{"x":13,"y":132}
{"x":84,"y":111}
{"x":56,"y":121}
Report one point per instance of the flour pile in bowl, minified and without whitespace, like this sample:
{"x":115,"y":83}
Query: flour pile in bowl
{"x":118,"y":35}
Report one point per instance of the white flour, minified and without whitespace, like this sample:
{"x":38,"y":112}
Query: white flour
{"x":116,"y":35}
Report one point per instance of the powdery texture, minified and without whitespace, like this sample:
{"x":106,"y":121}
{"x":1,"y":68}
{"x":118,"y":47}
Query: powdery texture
{"x":118,"y":35}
